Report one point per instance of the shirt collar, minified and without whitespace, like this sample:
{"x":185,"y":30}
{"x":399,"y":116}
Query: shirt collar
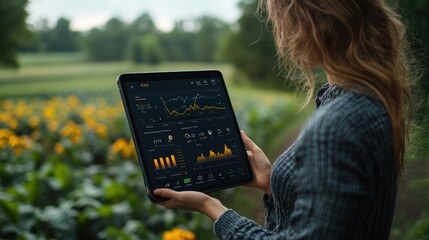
{"x":327,"y":93}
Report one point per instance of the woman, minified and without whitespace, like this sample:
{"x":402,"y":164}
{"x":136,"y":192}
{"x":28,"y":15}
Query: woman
{"x":338,"y":180}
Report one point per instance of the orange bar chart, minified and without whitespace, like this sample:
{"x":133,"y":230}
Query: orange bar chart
{"x":174,"y":160}
{"x":165,"y":162}
{"x":168,"y":161}
{"x":162,"y":162}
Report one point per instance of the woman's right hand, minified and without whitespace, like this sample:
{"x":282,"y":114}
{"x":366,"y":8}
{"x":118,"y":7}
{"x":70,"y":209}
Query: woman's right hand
{"x":261,"y":166}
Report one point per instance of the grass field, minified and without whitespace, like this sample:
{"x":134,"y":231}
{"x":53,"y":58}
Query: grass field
{"x":75,"y":77}
{"x":62,"y":74}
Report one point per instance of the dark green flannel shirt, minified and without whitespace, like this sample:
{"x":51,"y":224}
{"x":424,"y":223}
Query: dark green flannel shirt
{"x":337,"y":181}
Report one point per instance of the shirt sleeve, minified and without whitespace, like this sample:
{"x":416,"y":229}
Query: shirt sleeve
{"x":270,"y":221}
{"x":333,"y":186}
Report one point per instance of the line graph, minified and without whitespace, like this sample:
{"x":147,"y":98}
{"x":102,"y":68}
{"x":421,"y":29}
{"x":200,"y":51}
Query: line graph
{"x":179,"y":106}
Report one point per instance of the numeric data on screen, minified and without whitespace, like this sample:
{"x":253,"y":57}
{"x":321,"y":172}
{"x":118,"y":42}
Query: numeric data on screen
{"x":186,"y":131}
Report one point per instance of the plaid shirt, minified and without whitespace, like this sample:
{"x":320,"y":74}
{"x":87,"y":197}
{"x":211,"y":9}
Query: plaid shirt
{"x":337,"y":181}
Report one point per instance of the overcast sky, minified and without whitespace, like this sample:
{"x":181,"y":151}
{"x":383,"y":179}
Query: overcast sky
{"x":85,"y":14}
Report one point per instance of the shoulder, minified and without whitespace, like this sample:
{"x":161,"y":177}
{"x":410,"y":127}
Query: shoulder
{"x":343,"y":144}
{"x":351,"y":115}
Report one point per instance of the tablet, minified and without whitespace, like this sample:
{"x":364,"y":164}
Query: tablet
{"x":184,"y":129}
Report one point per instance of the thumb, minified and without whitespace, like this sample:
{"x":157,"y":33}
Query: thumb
{"x":166,"y":193}
{"x":248,"y":143}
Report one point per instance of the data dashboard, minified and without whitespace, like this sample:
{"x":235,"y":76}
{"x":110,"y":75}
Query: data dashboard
{"x":187,"y":135}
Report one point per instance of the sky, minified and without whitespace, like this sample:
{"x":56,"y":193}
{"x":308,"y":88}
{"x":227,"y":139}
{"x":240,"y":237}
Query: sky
{"x":86,"y":14}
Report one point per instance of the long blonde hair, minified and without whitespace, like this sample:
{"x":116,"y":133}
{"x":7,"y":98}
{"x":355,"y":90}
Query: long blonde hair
{"x":360,"y":43}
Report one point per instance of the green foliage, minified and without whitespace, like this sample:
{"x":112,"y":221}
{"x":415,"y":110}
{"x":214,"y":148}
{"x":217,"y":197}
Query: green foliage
{"x":13,"y":30}
{"x":179,"y":44}
{"x":58,"y":39}
{"x":88,"y":188}
{"x":417,"y":17}
{"x":251,"y":47}
{"x":208,"y":38}
{"x":146,"y":49}
{"x":136,"y":51}
{"x":139,"y":41}
{"x":151,"y":50}
{"x":63,"y":39}
{"x":144,"y":46}
{"x":420,"y":231}
{"x":108,"y":43}
{"x":265,"y":124}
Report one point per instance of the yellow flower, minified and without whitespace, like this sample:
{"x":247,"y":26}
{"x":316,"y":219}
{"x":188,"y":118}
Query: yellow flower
{"x":7,"y":105}
{"x":73,"y":101}
{"x":3,"y":143}
{"x":21,"y":109}
{"x":59,"y":148}
{"x":5,"y":116}
{"x":101,"y":131}
{"x":13,"y":124}
{"x":49,"y":112}
{"x":5,"y":134}
{"x":122,"y":146}
{"x":118,"y":145}
{"x":34,"y":122}
{"x":53,"y":125}
{"x":72,"y":131}
{"x":129,"y":150}
{"x":178,"y":234}
{"x":18,"y":143}
{"x":88,"y":112}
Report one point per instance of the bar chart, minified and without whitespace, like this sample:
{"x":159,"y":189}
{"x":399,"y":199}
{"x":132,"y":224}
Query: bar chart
{"x":165,"y":162}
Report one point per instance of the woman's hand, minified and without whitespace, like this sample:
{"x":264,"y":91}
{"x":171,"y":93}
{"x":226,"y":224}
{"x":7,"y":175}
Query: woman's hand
{"x":192,"y":201}
{"x":260,"y":164}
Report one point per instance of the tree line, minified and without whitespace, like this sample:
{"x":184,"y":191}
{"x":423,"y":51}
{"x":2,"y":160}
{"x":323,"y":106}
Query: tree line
{"x":139,"y":41}
{"x":247,"y":44}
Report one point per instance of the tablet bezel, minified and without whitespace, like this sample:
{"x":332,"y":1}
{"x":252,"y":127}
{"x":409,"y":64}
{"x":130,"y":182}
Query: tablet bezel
{"x":178,"y":75}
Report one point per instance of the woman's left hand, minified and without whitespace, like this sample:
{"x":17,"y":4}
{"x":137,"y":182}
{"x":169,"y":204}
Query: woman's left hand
{"x":192,"y":201}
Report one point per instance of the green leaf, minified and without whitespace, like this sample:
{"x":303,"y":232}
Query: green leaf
{"x":420,"y":231}
{"x":115,"y":192}
{"x":33,"y":188}
{"x":105,"y":211}
{"x":59,"y":220}
{"x":62,"y":174}
{"x":9,"y":209}
{"x":116,"y":233}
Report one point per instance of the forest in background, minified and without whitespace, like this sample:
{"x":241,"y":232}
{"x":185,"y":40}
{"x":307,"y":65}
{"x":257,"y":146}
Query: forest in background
{"x":247,"y":43}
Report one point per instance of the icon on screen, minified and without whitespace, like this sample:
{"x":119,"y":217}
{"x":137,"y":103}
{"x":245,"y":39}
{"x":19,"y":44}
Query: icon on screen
{"x":187,"y":180}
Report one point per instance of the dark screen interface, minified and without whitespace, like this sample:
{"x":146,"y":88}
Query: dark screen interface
{"x":187,"y":133}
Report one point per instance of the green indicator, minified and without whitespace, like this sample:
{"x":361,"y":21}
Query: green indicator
{"x":187,"y":180}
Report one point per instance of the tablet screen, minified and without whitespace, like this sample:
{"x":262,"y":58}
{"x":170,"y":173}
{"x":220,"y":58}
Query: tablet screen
{"x":185,"y":130}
